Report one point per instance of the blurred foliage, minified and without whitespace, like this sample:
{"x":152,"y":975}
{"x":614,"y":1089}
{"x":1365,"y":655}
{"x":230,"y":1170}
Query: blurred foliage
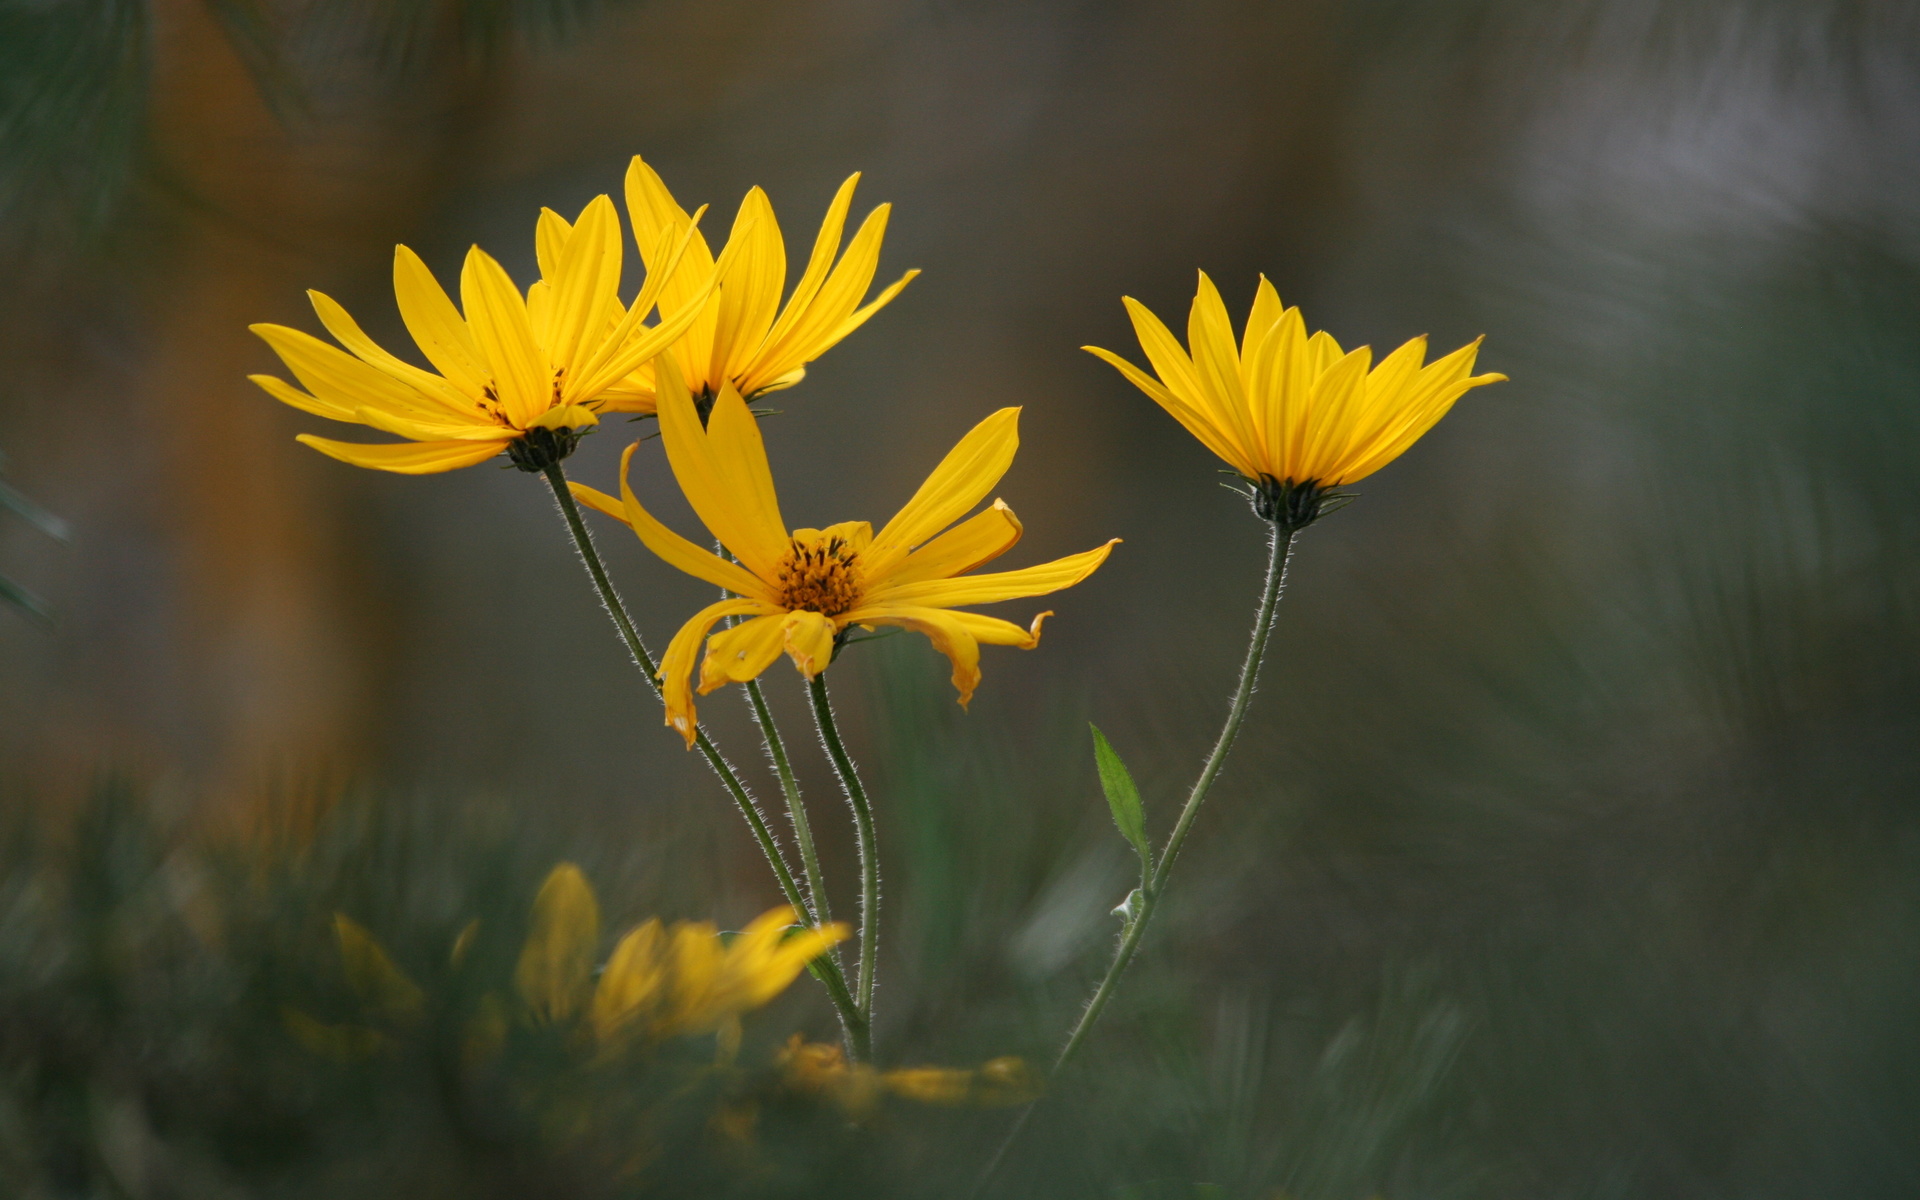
{"x":19,"y":505}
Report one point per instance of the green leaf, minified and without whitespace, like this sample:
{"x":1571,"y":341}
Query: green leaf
{"x":1123,"y":798}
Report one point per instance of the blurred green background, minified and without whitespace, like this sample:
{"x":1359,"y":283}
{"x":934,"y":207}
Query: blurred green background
{"x":1572,"y":848}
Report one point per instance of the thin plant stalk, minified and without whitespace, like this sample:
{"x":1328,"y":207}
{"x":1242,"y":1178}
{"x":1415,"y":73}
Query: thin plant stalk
{"x":796,"y":808}
{"x":825,"y":968}
{"x":783,"y":768}
{"x":1154,"y":887}
{"x":864,"y":840}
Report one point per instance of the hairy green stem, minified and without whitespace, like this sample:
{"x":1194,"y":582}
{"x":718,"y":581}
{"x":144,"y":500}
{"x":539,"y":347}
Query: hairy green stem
{"x":1280,"y":554}
{"x":864,"y":840}
{"x":796,"y":808}
{"x":825,"y":968}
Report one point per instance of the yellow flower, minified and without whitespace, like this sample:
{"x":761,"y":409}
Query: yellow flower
{"x":520,"y":375}
{"x":803,"y":589}
{"x":1294,"y":415}
{"x":814,"y":1068}
{"x":737,"y":339}
{"x":688,"y":980}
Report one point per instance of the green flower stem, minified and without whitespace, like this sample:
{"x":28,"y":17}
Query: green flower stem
{"x":825,"y":968}
{"x":863,"y":838}
{"x":783,"y":767}
{"x":1280,"y":555}
{"x":796,"y":808}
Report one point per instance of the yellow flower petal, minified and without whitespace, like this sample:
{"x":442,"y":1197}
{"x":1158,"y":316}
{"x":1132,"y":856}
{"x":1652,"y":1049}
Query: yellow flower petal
{"x":347,"y":331}
{"x":556,"y":963}
{"x":752,"y":273}
{"x":436,"y":325}
{"x":743,"y":652}
{"x":652,"y":211}
{"x":1285,"y":408}
{"x":550,"y":234}
{"x":586,"y":286}
{"x":809,"y":641}
{"x":723,"y":471}
{"x":287,"y":394}
{"x":995,"y":585}
{"x":958,"y":635}
{"x":429,"y":431}
{"x":974,"y":542}
{"x":633,"y":982}
{"x":675,"y":550}
{"x":825,"y":246}
{"x":501,"y":328}
{"x":408,"y":458}
{"x":676,"y":665}
{"x":336,"y":377}
{"x":964,"y":477}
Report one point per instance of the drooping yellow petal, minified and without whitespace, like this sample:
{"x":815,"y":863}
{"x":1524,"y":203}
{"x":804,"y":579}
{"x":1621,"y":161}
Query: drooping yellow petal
{"x":964,"y":477}
{"x":974,"y":542}
{"x":408,"y":458}
{"x":809,"y":641}
{"x":676,"y":665}
{"x":995,"y":586}
{"x":949,"y":635}
{"x":723,"y":471}
{"x":675,"y":550}
{"x":498,"y":317}
{"x":556,"y":963}
{"x":743,"y":652}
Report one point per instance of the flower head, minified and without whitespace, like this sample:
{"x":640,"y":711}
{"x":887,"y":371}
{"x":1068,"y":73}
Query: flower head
{"x":520,"y":375}
{"x":670,"y":982}
{"x":1293,"y":414}
{"x":738,"y":340}
{"x":661,"y":982}
{"x":802,"y":589}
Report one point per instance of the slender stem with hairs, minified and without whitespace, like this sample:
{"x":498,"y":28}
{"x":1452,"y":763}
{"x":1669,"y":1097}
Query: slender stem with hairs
{"x":825,"y":968}
{"x":1280,"y":554}
{"x":863,"y":838}
{"x":796,"y":808}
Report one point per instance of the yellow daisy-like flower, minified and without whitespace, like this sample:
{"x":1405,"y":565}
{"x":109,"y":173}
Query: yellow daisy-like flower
{"x":802,"y":589}
{"x":523,"y":375}
{"x":660,"y":982}
{"x":1293,"y":414}
{"x":684,"y":980}
{"x":738,"y":340}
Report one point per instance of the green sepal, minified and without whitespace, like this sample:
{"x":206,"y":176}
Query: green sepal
{"x":1123,"y":798}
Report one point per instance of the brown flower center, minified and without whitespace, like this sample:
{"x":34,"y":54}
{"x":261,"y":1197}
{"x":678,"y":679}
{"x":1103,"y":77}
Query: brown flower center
{"x":819,"y":575}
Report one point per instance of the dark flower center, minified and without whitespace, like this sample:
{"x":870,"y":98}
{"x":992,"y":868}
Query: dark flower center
{"x":820,"y":576}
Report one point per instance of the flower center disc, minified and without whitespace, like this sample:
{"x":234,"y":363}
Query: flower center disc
{"x":819,"y":576}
